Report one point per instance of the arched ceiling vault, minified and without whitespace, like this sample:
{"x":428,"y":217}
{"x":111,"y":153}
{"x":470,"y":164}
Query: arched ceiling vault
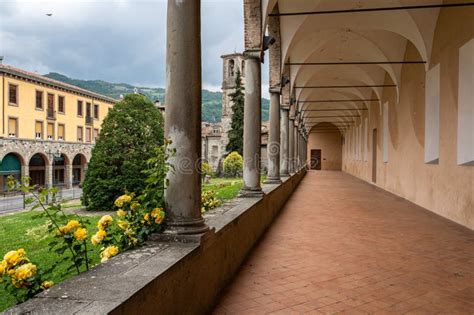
{"x":348,"y":37}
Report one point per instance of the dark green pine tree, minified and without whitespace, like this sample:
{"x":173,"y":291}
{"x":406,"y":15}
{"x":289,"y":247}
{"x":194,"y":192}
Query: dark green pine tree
{"x":236,"y":133}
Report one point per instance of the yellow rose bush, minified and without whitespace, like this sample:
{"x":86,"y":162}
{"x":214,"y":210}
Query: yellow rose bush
{"x":21,"y":278}
{"x":209,"y":201}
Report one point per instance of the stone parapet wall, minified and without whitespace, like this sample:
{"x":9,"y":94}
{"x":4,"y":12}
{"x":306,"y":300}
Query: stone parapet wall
{"x":170,"y":277}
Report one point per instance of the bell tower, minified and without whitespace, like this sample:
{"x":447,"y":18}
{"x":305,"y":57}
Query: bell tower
{"x":231,"y":64}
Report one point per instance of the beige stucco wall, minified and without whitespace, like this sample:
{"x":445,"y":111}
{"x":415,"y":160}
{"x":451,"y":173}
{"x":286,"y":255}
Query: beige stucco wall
{"x":330,"y":145}
{"x":444,"y":188}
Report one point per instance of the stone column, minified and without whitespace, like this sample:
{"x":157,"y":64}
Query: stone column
{"x":68,"y":176}
{"x":48,"y":175}
{"x":273,"y":147}
{"x":183,"y":117}
{"x":291,"y":145}
{"x":25,"y":171}
{"x":297,"y":148}
{"x":252,"y":125}
{"x":284,"y":143}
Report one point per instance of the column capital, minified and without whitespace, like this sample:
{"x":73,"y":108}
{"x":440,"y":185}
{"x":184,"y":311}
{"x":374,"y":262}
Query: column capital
{"x":252,"y":54}
{"x":275,"y":89}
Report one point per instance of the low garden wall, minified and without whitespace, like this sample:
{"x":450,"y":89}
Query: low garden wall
{"x":169,"y":277}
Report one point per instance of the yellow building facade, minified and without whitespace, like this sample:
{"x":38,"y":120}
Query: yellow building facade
{"x":47,"y":128}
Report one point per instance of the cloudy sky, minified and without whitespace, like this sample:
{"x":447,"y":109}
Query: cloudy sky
{"x":112,"y":40}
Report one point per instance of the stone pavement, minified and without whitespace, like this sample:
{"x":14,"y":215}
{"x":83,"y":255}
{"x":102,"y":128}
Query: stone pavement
{"x":341,"y":245}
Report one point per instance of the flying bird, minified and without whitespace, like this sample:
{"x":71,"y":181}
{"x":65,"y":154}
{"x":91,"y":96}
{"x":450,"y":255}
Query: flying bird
{"x":49,"y":14}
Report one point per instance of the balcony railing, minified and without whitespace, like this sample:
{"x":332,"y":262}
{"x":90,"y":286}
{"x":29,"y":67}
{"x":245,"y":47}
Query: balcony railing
{"x":89,"y":120}
{"x":51,"y":114}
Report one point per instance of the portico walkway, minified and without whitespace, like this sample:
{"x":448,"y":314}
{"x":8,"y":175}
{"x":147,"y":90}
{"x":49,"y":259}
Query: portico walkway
{"x":342,"y":245}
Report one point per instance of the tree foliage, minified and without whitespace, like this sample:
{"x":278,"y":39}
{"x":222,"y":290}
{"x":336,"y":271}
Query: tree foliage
{"x":130,"y":134}
{"x":236,"y":133}
{"x":233,"y":164}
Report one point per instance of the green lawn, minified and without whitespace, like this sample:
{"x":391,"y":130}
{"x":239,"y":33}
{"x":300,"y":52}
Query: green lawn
{"x":28,"y":231}
{"x":226,"y":188}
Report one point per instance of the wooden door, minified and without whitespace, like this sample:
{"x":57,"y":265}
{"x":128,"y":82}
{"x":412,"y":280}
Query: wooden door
{"x":316,"y":159}
{"x":374,"y":155}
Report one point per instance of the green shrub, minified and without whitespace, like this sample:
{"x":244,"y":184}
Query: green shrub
{"x":206,"y":169}
{"x":130,"y":133}
{"x":233,"y":164}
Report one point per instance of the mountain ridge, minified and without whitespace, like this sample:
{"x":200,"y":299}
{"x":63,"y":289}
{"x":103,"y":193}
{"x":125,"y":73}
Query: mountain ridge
{"x":211,"y":101}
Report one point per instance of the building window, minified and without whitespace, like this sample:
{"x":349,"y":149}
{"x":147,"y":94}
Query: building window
{"x":39,"y":130}
{"x":61,"y":104}
{"x":39,"y":100}
{"x":61,"y":132}
{"x":88,"y":110}
{"x":13,"y":94}
{"x":79,"y":134}
{"x":96,"y":134}
{"x":432,"y":101}
{"x":13,"y":127}
{"x":386,"y":130}
{"x":79,"y":108}
{"x":96,"y":111}
{"x":50,"y":112}
{"x":465,"y":135}
{"x":88,"y":135}
{"x":231,"y":67}
{"x":50,"y":131}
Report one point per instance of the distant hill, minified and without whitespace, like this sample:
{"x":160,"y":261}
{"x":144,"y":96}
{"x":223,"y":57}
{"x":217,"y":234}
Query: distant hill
{"x":211,"y":101}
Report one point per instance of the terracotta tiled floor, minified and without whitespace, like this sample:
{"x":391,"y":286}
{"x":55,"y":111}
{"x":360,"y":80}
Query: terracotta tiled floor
{"x":343,"y":246}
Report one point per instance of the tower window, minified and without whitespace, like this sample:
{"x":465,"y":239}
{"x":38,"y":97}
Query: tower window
{"x":231,"y":67}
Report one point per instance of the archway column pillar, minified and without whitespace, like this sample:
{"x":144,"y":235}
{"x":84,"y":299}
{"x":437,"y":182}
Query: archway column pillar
{"x":183,"y":117}
{"x":48,"y":175}
{"x":25,"y":171}
{"x":68,"y":176}
{"x":273,"y":148}
{"x":284,"y":142}
{"x":252,"y":125}
{"x":291,"y":145}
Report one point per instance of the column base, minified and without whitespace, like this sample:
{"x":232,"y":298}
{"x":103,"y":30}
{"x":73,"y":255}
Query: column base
{"x":273,"y":180}
{"x":186,"y":227}
{"x":284,"y":174}
{"x":248,"y":192}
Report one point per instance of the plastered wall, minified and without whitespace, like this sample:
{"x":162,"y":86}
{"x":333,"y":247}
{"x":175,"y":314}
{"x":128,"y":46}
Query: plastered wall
{"x":445,"y":187}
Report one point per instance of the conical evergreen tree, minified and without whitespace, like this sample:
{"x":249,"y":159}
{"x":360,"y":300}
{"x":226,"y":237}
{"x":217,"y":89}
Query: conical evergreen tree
{"x":236,"y":133}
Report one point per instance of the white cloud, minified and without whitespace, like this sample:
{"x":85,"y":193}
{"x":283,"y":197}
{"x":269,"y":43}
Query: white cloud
{"x":113,"y":40}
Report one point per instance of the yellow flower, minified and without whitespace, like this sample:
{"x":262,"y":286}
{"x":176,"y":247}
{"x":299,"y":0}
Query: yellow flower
{"x":98,"y":237}
{"x":3,"y":267}
{"x":80,"y":234}
{"x":108,"y":253}
{"x":120,"y":201}
{"x":72,"y":225}
{"x":104,"y":222}
{"x":25,"y":271}
{"x":146,"y":217}
{"x":159,"y":217}
{"x":123,"y":225}
{"x":156,"y":212}
{"x":134,"y":206}
{"x":121,"y":213}
{"x":12,"y":258}
{"x":47,"y":284}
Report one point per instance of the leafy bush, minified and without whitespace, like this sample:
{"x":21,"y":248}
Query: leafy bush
{"x":206,"y":170}
{"x":130,"y":133}
{"x":233,"y":164}
{"x":137,"y":218}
